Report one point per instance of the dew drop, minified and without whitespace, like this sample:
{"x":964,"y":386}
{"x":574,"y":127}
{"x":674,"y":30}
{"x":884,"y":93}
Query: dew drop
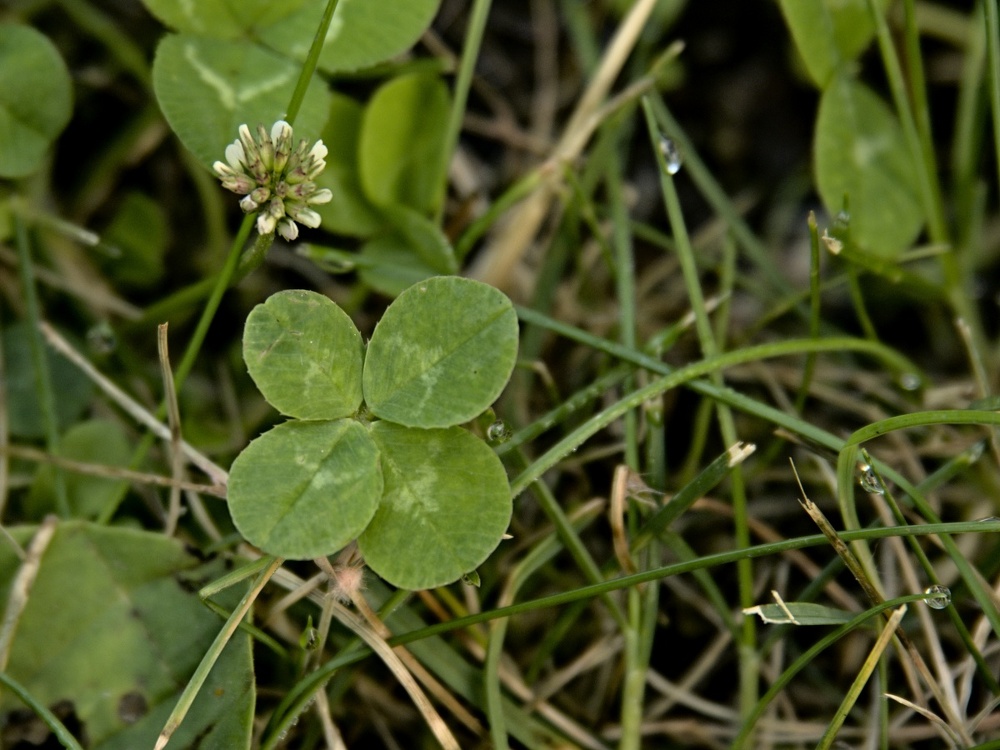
{"x":938,"y":597}
{"x":909,"y":381}
{"x":671,"y":155}
{"x":841,"y":222}
{"x":101,"y":339}
{"x":472,"y":579}
{"x":868,"y":481}
{"x":498,"y":432}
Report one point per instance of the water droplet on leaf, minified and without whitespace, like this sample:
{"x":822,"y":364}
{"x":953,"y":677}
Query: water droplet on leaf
{"x":841,"y":222}
{"x":671,"y":155}
{"x":498,"y":432}
{"x":938,"y":597}
{"x":868,"y":481}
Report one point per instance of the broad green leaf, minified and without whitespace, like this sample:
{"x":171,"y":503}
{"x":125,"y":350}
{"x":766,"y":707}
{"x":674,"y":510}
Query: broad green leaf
{"x":800,"y":613}
{"x":208,"y":87}
{"x":415,"y":250}
{"x":389,"y":265}
{"x":441,"y":354}
{"x":362,"y":33}
{"x":860,"y":152}
{"x":36,"y":98}
{"x":140,"y":232}
{"x":97,"y":441}
{"x":401,"y":151}
{"x":305,"y":489}
{"x":223,"y":19}
{"x":445,"y":508}
{"x":349,"y":212}
{"x":829,"y":34}
{"x":113,"y":628}
{"x":304,"y":354}
{"x":71,"y":389}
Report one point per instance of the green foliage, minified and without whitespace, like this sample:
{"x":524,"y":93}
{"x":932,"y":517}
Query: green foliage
{"x":139,"y":234}
{"x":208,"y":87}
{"x":36,"y":99}
{"x":72,"y":389}
{"x":860,"y":152}
{"x":96,"y":441}
{"x":110,"y":625}
{"x":441,"y":354}
{"x":829,"y":35}
{"x":306,"y":489}
{"x":445,"y":507}
{"x":304,"y":354}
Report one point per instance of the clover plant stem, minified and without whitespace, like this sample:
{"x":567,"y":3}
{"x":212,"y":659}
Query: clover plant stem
{"x":460,"y":94}
{"x":727,"y":425}
{"x":43,"y":377}
{"x":50,"y":720}
{"x":215,"y":298}
{"x":311,"y":61}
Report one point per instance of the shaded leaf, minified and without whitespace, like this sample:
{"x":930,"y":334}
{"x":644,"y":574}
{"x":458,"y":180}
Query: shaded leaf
{"x":362,"y":33}
{"x":111,"y":623}
{"x":829,"y":34}
{"x":860,"y":152}
{"x":36,"y":98}
{"x":71,"y":388}
{"x":401,"y":151}
{"x":208,"y":87}
{"x":96,"y":441}
{"x":349,"y":212}
{"x":223,"y":19}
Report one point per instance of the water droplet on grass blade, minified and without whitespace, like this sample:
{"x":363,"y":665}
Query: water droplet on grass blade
{"x":909,"y":381}
{"x":868,"y":481}
{"x":938,"y":597}
{"x":498,"y":432}
{"x":671,"y":155}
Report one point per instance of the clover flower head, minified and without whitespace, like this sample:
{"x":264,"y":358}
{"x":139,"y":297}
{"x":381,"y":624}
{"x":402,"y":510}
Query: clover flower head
{"x":277,"y":181}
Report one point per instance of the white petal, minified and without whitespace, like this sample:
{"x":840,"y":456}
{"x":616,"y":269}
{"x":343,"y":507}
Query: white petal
{"x":318,"y":151}
{"x":308,"y":217}
{"x":288,"y":229}
{"x":236,"y":156}
{"x":279,"y":130}
{"x":223,"y":170}
{"x":265,"y":223}
{"x":249,"y":205}
{"x":320,"y":196}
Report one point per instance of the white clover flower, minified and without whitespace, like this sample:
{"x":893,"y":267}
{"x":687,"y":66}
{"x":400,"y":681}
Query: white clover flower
{"x":278,"y":182}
